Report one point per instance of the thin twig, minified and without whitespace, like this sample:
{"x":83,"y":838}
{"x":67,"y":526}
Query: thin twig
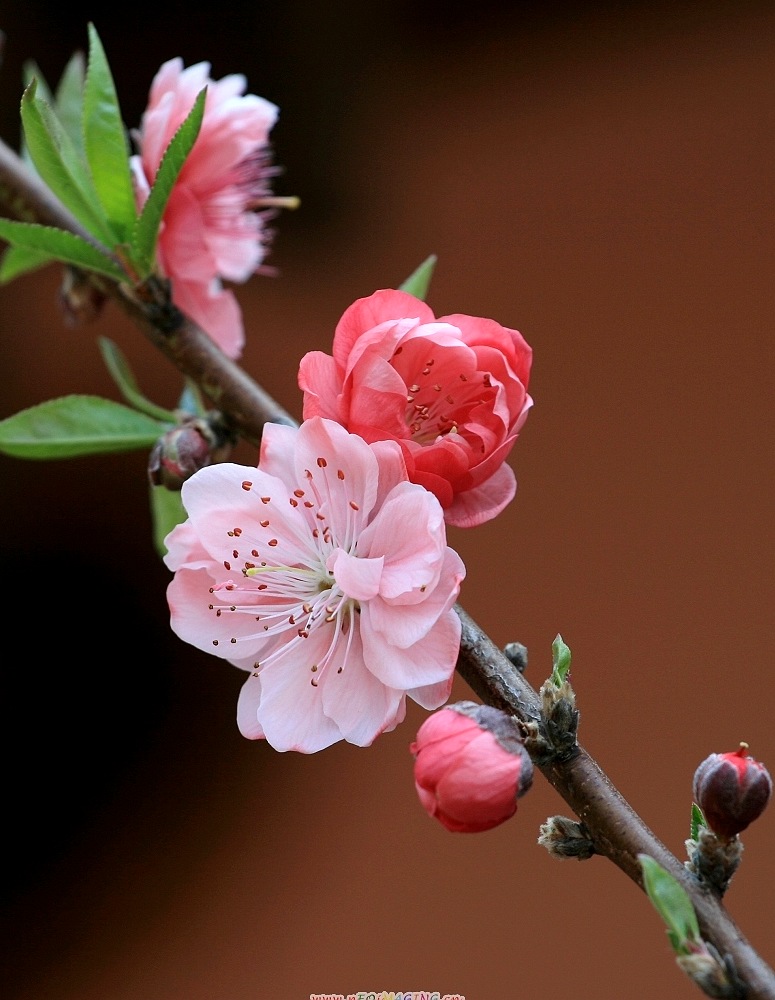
{"x":617,"y":832}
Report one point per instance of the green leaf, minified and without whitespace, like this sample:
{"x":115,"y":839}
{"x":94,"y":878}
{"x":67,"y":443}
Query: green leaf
{"x":561,"y":657}
{"x":60,"y":164}
{"x":77,"y":425}
{"x":418,"y":281}
{"x":698,"y":820}
{"x":31,"y":74}
{"x":59,"y":245}
{"x":20,"y":260}
{"x":118,"y":366}
{"x":672,"y":903}
{"x":68,"y":100}
{"x":105,"y":142}
{"x":167,"y":511}
{"x":146,"y":229}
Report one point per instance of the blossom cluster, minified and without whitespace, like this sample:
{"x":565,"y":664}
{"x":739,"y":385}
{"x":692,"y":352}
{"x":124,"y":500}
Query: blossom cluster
{"x":324,"y":572}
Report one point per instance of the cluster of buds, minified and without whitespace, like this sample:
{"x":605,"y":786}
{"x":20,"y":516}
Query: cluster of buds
{"x":470,"y":766}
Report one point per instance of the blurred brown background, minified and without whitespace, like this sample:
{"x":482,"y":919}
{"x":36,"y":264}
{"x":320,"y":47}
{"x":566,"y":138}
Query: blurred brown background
{"x":599,"y":177}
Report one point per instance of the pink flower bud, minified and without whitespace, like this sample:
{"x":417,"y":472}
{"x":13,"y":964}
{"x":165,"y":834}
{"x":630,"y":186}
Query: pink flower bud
{"x":732,"y":789}
{"x":470,"y":766}
{"x":181,"y":452}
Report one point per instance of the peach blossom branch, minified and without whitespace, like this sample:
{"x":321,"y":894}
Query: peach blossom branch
{"x":616,"y":831}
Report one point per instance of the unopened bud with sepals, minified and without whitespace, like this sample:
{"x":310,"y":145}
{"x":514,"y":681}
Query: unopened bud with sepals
{"x":732,"y":789}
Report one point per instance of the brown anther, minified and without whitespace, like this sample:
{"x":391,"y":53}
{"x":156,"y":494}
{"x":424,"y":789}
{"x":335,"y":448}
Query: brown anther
{"x":247,"y":485}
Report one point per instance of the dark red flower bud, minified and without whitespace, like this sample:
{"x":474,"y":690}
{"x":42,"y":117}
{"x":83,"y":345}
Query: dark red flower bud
{"x":732,"y":789}
{"x":181,"y":452}
{"x":470,"y":766}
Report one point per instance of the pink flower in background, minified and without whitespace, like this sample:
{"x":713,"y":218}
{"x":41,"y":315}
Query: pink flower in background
{"x":452,"y":391}
{"x":213,"y":227}
{"x":470,"y":767}
{"x":326,"y":575}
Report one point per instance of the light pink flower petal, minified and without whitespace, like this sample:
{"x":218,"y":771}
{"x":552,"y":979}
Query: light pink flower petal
{"x":383,"y":306}
{"x":247,"y":708}
{"x":431,"y":660}
{"x":215,"y":310}
{"x":432,"y":696}
{"x":291,"y":708}
{"x":358,"y":702}
{"x":412,"y":559}
{"x":344,"y":473}
{"x":378,"y":408}
{"x":182,"y":241}
{"x":183,"y":546}
{"x":511,"y":343}
{"x":480,"y":504}
{"x":392,"y":468}
{"x":359,"y":578}
{"x":277,"y":457}
{"x":321,"y":384}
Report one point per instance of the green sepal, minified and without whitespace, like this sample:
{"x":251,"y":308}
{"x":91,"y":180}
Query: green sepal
{"x":123,"y":376}
{"x":418,"y":281}
{"x":60,"y":164}
{"x":698,"y":820}
{"x":105,"y":142}
{"x":167,"y":511}
{"x":191,"y":399}
{"x":146,"y":228}
{"x":672,"y":903}
{"x":60,"y":245}
{"x":561,"y":658}
{"x":19,"y":260}
{"x":77,"y":425}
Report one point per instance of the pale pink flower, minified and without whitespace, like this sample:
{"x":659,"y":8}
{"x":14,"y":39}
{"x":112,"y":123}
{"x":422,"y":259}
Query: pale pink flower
{"x":470,"y":767}
{"x":215,"y":223}
{"x":452,"y":391}
{"x":326,"y":575}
